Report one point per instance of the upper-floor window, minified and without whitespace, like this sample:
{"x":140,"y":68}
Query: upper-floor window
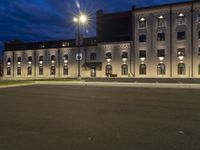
{"x":161,"y":21}
{"x":9,"y":60}
{"x":30,"y":59}
{"x":180,"y":19}
{"x":124,"y":55}
{"x":142,"y":38}
{"x":180,"y":52}
{"x":41,"y":58}
{"x":142,"y":54}
{"x":19,"y":59}
{"x":199,"y":34}
{"x":181,"y":35}
{"x":65,"y":57}
{"x":64,"y":44}
{"x":142,"y":23}
{"x":93,"y":56}
{"x":109,"y":55}
{"x":161,"y":53}
{"x":53,"y":58}
{"x":161,"y":36}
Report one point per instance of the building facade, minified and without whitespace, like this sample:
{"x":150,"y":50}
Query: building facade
{"x":152,"y":42}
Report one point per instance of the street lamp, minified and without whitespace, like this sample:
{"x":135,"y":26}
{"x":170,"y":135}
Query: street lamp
{"x":80,"y":20}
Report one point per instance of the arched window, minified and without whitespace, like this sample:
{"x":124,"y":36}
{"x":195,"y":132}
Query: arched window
{"x":124,"y":69}
{"x":41,"y":70}
{"x":161,"y":69}
{"x":142,"y":69}
{"x":53,"y":70}
{"x":181,"y":68}
{"x":8,"y":70}
{"x":108,"y":70}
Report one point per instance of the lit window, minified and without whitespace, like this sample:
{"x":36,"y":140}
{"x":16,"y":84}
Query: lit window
{"x":65,"y":44}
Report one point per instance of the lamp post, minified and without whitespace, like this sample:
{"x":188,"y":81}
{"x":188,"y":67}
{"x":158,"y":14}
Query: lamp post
{"x":81,"y":19}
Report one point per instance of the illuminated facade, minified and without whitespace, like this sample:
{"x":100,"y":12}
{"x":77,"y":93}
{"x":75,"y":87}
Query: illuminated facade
{"x":158,"y":42}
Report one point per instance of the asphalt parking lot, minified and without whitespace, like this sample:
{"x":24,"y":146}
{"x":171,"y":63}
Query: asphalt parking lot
{"x":50,"y":117}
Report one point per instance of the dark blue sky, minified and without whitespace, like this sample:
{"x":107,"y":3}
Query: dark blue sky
{"x":40,"y":20}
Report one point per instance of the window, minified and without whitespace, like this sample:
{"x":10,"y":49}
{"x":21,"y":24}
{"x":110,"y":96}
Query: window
{"x":65,"y":57}
{"x":142,"y":38}
{"x":64,"y":44}
{"x":161,"y":53}
{"x":53,"y":70}
{"x":65,"y":70}
{"x":181,"y":69}
{"x":109,"y":55}
{"x":53,"y":58}
{"x":9,"y":60}
{"x":8,"y":71}
{"x":142,"y":54}
{"x":199,"y":34}
{"x":199,"y":52}
{"x":161,"y":69}
{"x":29,"y":70}
{"x":161,"y":36}
{"x":180,"y":52}
{"x":199,"y":69}
{"x":142,"y":69}
{"x":40,"y":70}
{"x":93,"y":56}
{"x":142,"y":23}
{"x":181,"y":19}
{"x":29,"y":59}
{"x":41,"y":58}
{"x":161,"y":21}
{"x":108,"y":70}
{"x":181,"y":35}
{"x":124,"y":69}
{"x":124,"y":55}
{"x":19,"y":59}
{"x":18,"y":70}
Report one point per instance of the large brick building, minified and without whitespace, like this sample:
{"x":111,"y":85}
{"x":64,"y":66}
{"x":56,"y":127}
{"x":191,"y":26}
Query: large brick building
{"x":154,"y":42}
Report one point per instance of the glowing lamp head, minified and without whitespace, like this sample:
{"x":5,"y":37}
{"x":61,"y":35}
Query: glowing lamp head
{"x":181,"y":15}
{"x":75,"y":19}
{"x":142,"y":59}
{"x":142,"y":19}
{"x":83,"y":19}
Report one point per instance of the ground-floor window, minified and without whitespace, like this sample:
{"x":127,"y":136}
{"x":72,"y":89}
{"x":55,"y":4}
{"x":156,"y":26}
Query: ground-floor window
{"x":65,"y":70}
{"x":53,"y":70}
{"x":19,"y":71}
{"x":161,"y":69}
{"x":8,"y":71}
{"x":181,"y":68}
{"x":40,"y":70}
{"x":29,"y":71}
{"x":143,"y":69}
{"x":108,"y":70}
{"x":199,"y":69}
{"x":124,"y":69}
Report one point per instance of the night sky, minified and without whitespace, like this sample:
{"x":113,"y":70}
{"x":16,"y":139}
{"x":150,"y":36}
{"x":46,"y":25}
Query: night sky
{"x":40,"y":20}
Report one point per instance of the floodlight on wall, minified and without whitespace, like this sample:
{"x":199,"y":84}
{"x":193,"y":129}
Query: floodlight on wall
{"x":142,"y":59}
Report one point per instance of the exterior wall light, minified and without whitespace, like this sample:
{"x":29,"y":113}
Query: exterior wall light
{"x":19,"y":63}
{"x":181,"y":15}
{"x":142,"y":59}
{"x":142,"y":19}
{"x":161,"y":58}
{"x":41,"y":62}
{"x":161,"y":17}
{"x":29,"y":62}
{"x":52,"y":61}
{"x":9,"y":63}
{"x":180,"y":58}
